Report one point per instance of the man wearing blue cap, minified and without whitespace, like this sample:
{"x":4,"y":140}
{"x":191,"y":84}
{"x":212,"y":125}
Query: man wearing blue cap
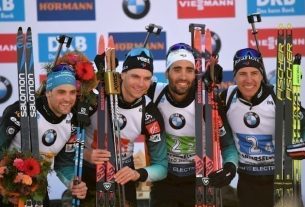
{"x":53,"y":119}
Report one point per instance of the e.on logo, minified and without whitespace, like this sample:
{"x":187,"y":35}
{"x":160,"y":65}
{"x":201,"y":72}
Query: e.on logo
{"x":205,"y":8}
{"x":267,"y":41}
{"x":8,"y":48}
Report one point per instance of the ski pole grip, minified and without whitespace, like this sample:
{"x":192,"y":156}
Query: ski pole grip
{"x":194,"y":26}
{"x":112,"y":82}
{"x":152,"y":28}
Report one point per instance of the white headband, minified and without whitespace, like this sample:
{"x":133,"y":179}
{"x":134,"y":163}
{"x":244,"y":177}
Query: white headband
{"x":180,"y":54}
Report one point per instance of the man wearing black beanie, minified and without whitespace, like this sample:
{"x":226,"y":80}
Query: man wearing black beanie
{"x":138,"y":116}
{"x":249,"y":109}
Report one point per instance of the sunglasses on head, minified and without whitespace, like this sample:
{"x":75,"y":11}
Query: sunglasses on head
{"x":139,"y":51}
{"x":63,"y":67}
{"x":247,"y":52}
{"x":179,"y":46}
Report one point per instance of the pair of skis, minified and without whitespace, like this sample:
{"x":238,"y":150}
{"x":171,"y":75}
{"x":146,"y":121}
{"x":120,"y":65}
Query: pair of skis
{"x":287,"y":186}
{"x":27,"y":100}
{"x":207,"y":145}
{"x":108,"y":193}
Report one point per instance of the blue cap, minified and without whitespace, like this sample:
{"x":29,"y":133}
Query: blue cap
{"x":60,"y":75}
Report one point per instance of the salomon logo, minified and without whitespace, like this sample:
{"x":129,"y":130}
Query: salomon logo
{"x":22,"y":95}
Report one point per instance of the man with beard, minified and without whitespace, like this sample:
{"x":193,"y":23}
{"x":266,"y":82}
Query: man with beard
{"x":176,"y":102}
{"x":53,"y":119}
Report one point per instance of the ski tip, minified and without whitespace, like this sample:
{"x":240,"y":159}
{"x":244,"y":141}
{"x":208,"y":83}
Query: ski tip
{"x":111,"y":42}
{"x":101,"y":45}
{"x":19,"y":29}
{"x":29,"y":29}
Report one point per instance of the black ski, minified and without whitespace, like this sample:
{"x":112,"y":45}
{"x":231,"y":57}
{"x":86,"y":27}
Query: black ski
{"x":27,"y":100}
{"x":287,"y":172}
{"x":26,"y":86}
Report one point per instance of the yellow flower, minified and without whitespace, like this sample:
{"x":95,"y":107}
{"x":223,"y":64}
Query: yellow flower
{"x":27,"y":180}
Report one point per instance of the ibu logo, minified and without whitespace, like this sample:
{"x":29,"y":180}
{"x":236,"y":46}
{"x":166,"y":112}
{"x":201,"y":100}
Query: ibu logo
{"x":277,"y":7}
{"x":11,"y":10}
{"x":82,"y":42}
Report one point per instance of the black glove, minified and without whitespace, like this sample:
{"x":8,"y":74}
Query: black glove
{"x":217,"y":75}
{"x":223,"y":176}
{"x":296,"y":151}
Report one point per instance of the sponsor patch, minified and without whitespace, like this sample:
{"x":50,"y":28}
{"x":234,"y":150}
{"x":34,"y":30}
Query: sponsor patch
{"x":155,"y":138}
{"x":153,"y":128}
{"x":10,"y":130}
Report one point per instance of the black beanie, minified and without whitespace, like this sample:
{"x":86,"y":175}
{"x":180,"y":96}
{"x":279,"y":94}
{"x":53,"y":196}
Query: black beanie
{"x":139,"y":61}
{"x":247,"y":60}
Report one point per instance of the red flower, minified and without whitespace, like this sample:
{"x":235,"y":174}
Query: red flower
{"x":31,"y":167}
{"x":19,"y":164}
{"x":84,"y":70}
{"x":72,"y":58}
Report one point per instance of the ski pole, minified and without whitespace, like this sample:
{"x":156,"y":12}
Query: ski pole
{"x":82,"y":116}
{"x":151,"y":28}
{"x":62,"y":39}
{"x":252,"y":18}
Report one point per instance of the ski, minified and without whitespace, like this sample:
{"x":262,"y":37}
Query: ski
{"x":296,"y":138}
{"x":108,"y":133}
{"x":27,"y":100}
{"x":287,"y":172}
{"x":22,"y":89}
{"x":197,"y":34}
{"x":212,"y":122}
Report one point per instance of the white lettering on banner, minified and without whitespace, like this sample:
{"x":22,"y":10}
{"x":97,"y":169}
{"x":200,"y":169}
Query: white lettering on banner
{"x":80,"y":44}
{"x":7,"y":5}
{"x":5,"y":48}
{"x":271,"y":42}
{"x":200,"y":4}
{"x":275,"y":2}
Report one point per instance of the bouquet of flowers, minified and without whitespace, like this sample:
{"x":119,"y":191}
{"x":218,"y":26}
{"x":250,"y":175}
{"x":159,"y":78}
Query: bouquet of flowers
{"x":23,"y":175}
{"x":84,"y":73}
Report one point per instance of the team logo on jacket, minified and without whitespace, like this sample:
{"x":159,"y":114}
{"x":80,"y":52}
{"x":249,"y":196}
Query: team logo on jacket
{"x":49,"y":137}
{"x":153,"y":128}
{"x":122,"y":121}
{"x":251,"y":119}
{"x":10,"y":130}
{"x":177,"y":121}
{"x":155,"y":138}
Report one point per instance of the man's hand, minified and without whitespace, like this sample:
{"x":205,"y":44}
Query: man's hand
{"x":97,"y":156}
{"x":296,"y":151}
{"x":223,"y":176}
{"x":79,"y":190}
{"x":125,"y":175}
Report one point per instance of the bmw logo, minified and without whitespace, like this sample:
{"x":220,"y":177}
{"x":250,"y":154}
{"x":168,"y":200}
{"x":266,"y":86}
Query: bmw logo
{"x":216,"y":44}
{"x":136,"y":9}
{"x":49,"y":137}
{"x":251,"y":119}
{"x":176,"y":121}
{"x":5,"y":89}
{"x":122,"y":121}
